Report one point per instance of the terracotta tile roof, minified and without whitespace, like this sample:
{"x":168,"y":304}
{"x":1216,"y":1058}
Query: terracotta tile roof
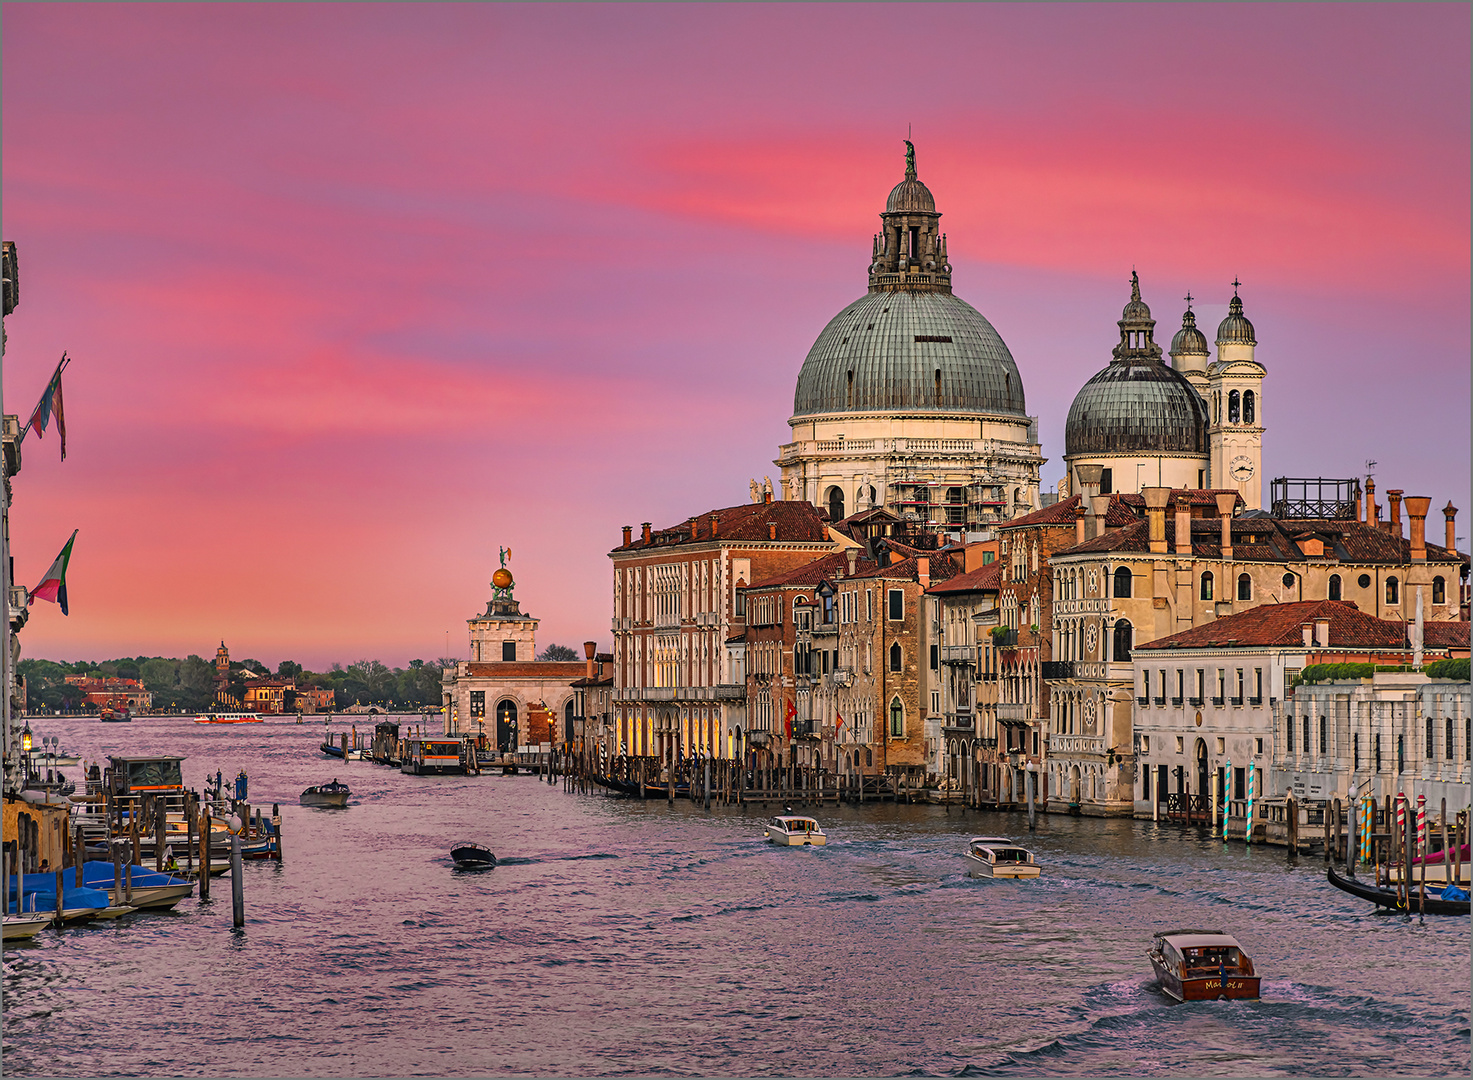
{"x":810,"y":574}
{"x":529,"y":669}
{"x":1268,"y":539}
{"x":1445,"y":635}
{"x":1195,"y":497}
{"x":797,"y":522}
{"x":984,"y":579}
{"x":943,"y":568}
{"x":1280,"y":624}
{"x":1062,"y":513}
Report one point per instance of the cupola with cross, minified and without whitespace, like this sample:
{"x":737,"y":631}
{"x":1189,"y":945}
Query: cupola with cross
{"x":1235,"y":392}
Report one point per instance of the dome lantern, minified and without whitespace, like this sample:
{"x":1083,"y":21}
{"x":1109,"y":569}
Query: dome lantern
{"x":910,"y":251}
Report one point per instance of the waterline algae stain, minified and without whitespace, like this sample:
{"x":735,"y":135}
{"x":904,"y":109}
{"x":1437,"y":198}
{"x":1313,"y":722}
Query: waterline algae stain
{"x":622,"y":937}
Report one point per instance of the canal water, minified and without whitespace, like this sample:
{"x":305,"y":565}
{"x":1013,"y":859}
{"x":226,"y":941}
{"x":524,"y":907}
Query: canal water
{"x":621,"y":937}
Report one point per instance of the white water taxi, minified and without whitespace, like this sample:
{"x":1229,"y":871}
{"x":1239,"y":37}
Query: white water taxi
{"x":794,"y":831}
{"x":999,"y":857}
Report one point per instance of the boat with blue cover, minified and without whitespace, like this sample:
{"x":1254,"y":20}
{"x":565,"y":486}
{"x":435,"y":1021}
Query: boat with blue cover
{"x":151,"y":889}
{"x":36,"y":894}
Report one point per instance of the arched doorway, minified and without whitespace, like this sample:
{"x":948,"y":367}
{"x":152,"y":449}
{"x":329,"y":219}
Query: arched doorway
{"x":1074,"y":786}
{"x":1201,"y":767}
{"x":506,"y":726}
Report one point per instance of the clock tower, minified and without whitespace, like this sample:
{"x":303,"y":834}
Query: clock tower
{"x":1235,"y":401}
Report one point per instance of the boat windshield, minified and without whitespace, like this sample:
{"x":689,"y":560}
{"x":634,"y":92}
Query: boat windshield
{"x":1211,"y":959}
{"x":1012,"y":855}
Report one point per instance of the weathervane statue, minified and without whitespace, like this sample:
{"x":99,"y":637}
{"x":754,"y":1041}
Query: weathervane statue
{"x":501,"y":581}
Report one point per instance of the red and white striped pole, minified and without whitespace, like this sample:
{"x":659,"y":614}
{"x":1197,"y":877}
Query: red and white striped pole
{"x":1422,"y":825}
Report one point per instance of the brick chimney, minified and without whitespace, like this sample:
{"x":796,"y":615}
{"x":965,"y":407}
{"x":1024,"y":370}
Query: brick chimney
{"x":1156,"y":499}
{"x":923,"y":571}
{"x":590,"y":650}
{"x":1373,"y":512}
{"x":695,"y":528}
{"x":1417,"y":507}
{"x":1183,"y":524}
{"x":1079,"y":536}
{"x":767,"y":495}
{"x":628,"y":534}
{"x":1393,"y":496}
{"x":714,"y":530}
{"x":1449,"y":514}
{"x":1226,"y":503}
{"x":645,"y":531}
{"x":772,"y":530}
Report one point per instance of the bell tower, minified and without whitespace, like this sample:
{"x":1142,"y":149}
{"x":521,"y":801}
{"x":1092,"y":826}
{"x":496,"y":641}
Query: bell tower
{"x":1235,"y":395}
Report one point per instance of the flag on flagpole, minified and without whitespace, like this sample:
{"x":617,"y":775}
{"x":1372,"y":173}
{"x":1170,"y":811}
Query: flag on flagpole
{"x":53,"y":585}
{"x":838,"y":720}
{"x":50,"y":403}
{"x":788,"y":718}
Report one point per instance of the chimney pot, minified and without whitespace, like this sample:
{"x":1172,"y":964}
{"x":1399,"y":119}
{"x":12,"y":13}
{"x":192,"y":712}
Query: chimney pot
{"x":1099,"y":506}
{"x":1306,"y":631}
{"x":1373,"y":512}
{"x":1393,"y":496}
{"x":645,"y":531}
{"x":923,"y":571}
{"x":1156,"y":499}
{"x":1322,"y":632}
{"x":1417,"y":507}
{"x":1449,"y":513}
{"x":1183,"y":525}
{"x":772,"y":530}
{"x":714,"y":530}
{"x":1079,"y":536}
{"x":1226,"y":503}
{"x":695,"y":528}
{"x":628,"y":534}
{"x":853,"y":556}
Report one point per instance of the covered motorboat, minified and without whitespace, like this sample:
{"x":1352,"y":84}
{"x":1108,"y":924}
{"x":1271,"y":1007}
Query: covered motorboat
{"x":333,"y":795}
{"x":999,"y":857}
{"x":472,"y":857}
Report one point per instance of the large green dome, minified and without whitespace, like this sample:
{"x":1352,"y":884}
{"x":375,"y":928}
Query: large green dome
{"x":924,"y":351}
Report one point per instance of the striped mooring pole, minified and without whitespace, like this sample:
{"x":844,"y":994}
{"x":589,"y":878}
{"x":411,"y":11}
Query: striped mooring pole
{"x":1368,"y":824}
{"x":1422,"y":825}
{"x":1248,"y":825}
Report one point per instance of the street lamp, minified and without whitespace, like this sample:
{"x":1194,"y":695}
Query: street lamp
{"x":25,"y":737}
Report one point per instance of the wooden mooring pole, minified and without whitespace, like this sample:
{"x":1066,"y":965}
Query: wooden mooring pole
{"x":237,"y":884}
{"x":204,"y":856}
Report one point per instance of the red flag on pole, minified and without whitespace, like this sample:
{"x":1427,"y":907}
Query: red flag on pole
{"x":788,"y":718}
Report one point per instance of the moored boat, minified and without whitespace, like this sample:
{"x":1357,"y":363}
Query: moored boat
{"x":999,"y":857}
{"x":791,"y":830}
{"x":1202,"y":965}
{"x":25,"y":927}
{"x":333,"y":795}
{"x":472,"y":857}
{"x":1434,"y":904}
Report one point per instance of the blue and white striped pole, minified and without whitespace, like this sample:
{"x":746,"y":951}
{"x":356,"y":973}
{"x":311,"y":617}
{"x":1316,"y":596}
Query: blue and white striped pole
{"x":1248,"y":827}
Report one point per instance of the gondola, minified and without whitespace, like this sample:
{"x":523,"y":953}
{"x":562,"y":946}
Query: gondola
{"x":472,"y":857}
{"x":1387,"y":898}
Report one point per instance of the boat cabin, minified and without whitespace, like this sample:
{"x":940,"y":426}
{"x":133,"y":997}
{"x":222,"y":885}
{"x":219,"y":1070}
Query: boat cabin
{"x":422,"y":755}
{"x":794,"y":824}
{"x":133,"y":776}
{"x":1196,"y":964}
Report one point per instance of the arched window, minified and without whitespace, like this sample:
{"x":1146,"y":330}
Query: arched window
{"x":1245,"y":587}
{"x":1122,"y":582}
{"x":836,"y":504}
{"x":897,"y":718}
{"x":1393,"y":591}
{"x":568,"y":721}
{"x":1123,"y":640}
{"x":895,"y":657}
{"x":1447,"y":744}
{"x":1401,"y":753}
{"x":1233,"y":407}
{"x":1207,"y":585}
{"x":1334,"y":586}
{"x":1439,"y":591}
{"x":1248,"y":404}
{"x":1430,"y":750}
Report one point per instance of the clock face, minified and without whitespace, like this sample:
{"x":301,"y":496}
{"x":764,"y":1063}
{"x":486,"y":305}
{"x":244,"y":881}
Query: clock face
{"x":1241,"y":468}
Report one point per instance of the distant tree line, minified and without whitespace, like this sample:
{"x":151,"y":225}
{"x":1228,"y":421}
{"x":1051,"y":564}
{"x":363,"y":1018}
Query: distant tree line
{"x":188,"y":685}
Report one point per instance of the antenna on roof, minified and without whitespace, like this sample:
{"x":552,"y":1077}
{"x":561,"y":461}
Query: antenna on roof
{"x":1371,"y":467}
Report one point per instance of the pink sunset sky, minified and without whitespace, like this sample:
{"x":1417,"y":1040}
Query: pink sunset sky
{"x":357,"y":294}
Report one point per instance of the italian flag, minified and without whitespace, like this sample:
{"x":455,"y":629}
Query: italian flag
{"x":53,"y":585}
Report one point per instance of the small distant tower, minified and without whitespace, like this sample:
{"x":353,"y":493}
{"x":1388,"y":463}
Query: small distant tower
{"x":222,"y":663}
{"x":1235,"y":396}
{"x":502,"y":634}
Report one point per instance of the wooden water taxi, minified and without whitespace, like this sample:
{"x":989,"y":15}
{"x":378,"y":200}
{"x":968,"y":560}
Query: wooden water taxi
{"x":999,"y":857}
{"x":1202,"y":965}
{"x":793,"y":831}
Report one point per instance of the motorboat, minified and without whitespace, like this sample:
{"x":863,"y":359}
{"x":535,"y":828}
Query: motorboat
{"x":25,"y":927}
{"x":472,"y":857}
{"x":794,"y":831}
{"x":999,"y":857}
{"x":1203,"y":965}
{"x":327,"y":795}
{"x":115,"y":716}
{"x":151,"y":889}
{"x":229,"y":718}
